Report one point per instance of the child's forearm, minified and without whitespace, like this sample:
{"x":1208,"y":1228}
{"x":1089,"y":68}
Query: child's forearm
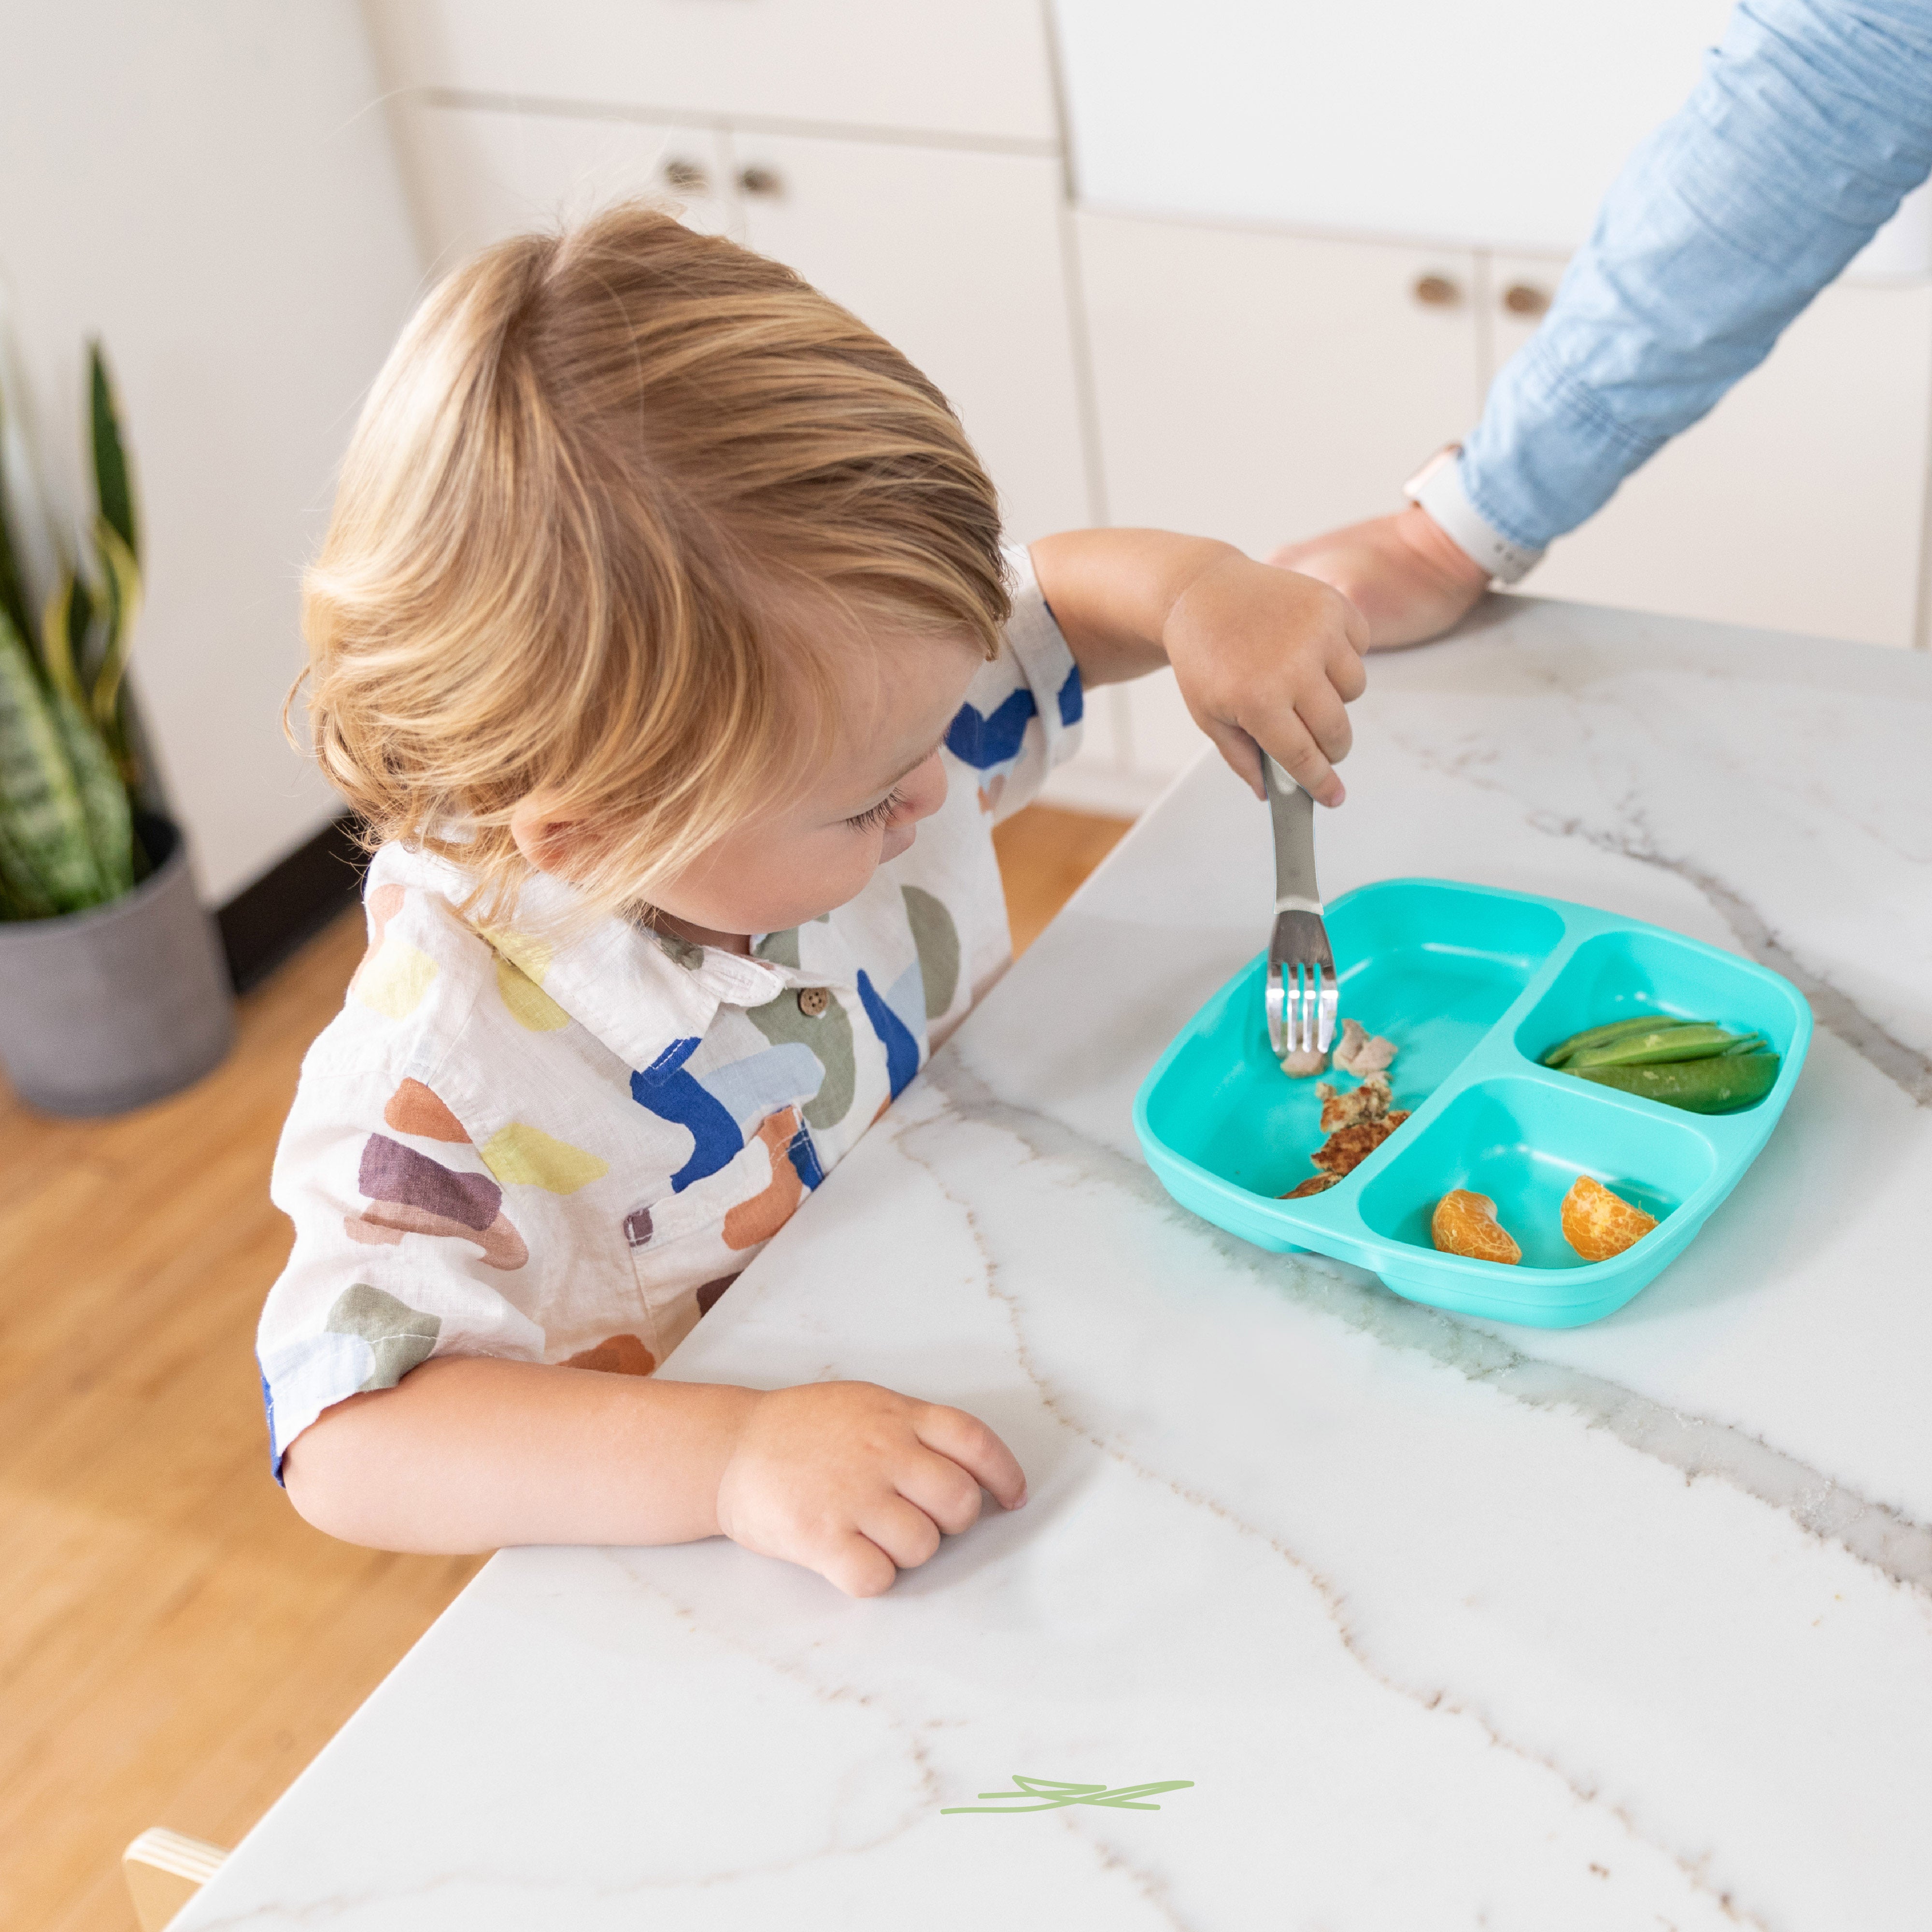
{"x":471,"y":1454}
{"x":1112,"y":592}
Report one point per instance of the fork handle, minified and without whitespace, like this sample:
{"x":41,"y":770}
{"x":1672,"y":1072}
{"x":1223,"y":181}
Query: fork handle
{"x":1292,"y":811}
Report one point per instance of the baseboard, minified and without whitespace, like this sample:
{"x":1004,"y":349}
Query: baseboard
{"x":291,"y":902}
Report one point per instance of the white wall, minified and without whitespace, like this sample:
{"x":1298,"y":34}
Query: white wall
{"x":207,"y":184}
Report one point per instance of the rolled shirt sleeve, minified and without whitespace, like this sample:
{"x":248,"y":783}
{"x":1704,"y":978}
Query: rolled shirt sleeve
{"x":1812,"y":120}
{"x":1021,"y":715}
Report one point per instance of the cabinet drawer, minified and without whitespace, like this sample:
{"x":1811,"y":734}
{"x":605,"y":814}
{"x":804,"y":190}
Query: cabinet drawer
{"x":1258,"y":387}
{"x":478,"y":174}
{"x":938,"y":66}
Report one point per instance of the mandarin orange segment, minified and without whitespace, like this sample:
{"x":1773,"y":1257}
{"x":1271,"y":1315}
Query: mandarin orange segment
{"x":1599,"y":1224}
{"x":1464,"y":1223}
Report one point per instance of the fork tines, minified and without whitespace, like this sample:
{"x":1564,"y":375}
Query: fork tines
{"x":1302,"y":995}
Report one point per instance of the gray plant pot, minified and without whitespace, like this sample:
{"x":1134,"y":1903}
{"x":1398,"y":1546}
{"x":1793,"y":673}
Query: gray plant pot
{"x":106,"y":1010}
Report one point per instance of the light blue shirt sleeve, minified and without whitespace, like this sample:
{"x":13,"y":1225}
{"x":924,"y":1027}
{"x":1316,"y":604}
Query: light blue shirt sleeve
{"x":1812,"y":120}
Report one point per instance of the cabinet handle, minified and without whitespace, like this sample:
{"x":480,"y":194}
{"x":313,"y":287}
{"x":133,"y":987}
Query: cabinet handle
{"x":687,"y":177}
{"x":1525,"y":299}
{"x":1436,"y":292}
{"x":762,"y":181}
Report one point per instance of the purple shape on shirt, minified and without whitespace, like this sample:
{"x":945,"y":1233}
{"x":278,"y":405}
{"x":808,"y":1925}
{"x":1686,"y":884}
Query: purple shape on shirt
{"x":637,"y":1226}
{"x":391,"y":1171}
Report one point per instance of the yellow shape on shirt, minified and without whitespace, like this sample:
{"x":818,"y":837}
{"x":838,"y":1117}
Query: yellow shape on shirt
{"x":522,"y":1154}
{"x":530,"y":956}
{"x":393,"y":979}
{"x":530,"y":1007}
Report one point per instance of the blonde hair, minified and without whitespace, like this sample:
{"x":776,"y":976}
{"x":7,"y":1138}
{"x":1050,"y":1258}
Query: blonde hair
{"x":606,"y":484}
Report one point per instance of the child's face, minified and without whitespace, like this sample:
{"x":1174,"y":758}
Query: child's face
{"x":897,"y":694}
{"x":780,"y":868}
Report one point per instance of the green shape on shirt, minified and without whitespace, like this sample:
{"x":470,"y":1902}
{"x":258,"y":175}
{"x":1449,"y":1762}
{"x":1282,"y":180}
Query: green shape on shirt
{"x":829,"y":1036}
{"x":402,"y":1337}
{"x":780,"y":948}
{"x":937,"y":939}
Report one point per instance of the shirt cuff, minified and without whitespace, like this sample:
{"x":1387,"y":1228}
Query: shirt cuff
{"x":1446,"y":500}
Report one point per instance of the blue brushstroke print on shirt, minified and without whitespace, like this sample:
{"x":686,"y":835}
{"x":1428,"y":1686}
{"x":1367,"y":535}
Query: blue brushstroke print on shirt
{"x":672,"y":1094}
{"x":982,"y":742}
{"x":1071,"y":701}
{"x":901,"y":1049}
{"x":804,"y":1157}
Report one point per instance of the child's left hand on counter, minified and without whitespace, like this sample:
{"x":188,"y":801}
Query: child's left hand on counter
{"x":1263,"y":656}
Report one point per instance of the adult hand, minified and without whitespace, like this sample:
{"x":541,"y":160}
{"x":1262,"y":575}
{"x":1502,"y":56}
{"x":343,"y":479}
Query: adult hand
{"x":1405,"y":575}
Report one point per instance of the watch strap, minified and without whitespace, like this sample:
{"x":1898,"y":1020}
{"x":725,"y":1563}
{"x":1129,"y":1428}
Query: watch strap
{"x":1438,"y":488}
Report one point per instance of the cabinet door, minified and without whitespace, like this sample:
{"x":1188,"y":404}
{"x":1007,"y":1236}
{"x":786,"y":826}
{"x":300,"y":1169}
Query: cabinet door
{"x":1258,"y":386}
{"x":956,"y":259}
{"x":1797,"y":504}
{"x":478,"y":174}
{"x":945,"y":66}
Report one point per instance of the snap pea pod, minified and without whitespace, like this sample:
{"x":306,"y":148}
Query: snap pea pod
{"x":1723,"y":1084}
{"x":1660,"y":1045}
{"x":1560,"y":1054}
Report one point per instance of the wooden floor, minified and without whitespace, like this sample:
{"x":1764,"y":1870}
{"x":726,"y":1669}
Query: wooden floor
{"x":175,"y":1644}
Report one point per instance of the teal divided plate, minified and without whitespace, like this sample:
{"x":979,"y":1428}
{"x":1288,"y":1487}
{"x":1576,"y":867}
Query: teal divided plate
{"x":1473,"y":985}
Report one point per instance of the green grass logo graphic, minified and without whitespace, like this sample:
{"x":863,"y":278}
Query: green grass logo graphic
{"x":1050,"y":1794}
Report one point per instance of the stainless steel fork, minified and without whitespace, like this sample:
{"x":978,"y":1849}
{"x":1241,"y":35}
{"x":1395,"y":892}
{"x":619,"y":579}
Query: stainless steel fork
{"x":1302,"y":993}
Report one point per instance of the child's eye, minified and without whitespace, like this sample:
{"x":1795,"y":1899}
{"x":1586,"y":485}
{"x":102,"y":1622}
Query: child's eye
{"x":876,"y":815}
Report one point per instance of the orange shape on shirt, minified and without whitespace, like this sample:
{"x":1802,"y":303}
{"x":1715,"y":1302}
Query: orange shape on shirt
{"x":615,"y":1355}
{"x":760,"y":1218}
{"x":414,"y":1109}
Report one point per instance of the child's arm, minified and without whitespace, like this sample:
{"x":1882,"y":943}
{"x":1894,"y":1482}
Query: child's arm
{"x":1262,"y":655}
{"x":472,"y":1453}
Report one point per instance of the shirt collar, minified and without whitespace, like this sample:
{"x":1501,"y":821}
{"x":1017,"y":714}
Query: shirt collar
{"x":637,"y":991}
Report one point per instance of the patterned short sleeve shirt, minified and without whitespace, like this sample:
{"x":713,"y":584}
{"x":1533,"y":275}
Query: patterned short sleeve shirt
{"x":564,"y":1151}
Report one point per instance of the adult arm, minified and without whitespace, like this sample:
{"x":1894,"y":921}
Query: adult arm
{"x":1812,"y":120}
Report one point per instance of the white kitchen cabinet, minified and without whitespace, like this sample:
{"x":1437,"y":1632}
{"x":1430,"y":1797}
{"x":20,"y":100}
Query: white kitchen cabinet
{"x":956,"y":257}
{"x":1257,"y":386}
{"x":1798,"y":503}
{"x":979,"y":71}
{"x":481,"y":174}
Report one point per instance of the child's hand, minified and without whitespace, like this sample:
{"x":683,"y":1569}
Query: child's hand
{"x":857,"y":1483}
{"x":1265,"y":657}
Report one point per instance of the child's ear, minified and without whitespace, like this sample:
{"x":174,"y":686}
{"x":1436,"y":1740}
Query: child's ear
{"x":548,"y":841}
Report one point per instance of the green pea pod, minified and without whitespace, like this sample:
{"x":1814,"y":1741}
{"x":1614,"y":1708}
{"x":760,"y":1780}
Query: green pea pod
{"x":1724,"y":1084}
{"x":1561,"y":1053}
{"x":1656,"y":1047}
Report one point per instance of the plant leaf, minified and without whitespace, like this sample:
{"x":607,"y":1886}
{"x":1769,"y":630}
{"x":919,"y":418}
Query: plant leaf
{"x":39,"y":797}
{"x":57,"y":638}
{"x":123,"y":576}
{"x":13,"y":582}
{"x":22,"y":894}
{"x":103,"y":797}
{"x":113,"y":488}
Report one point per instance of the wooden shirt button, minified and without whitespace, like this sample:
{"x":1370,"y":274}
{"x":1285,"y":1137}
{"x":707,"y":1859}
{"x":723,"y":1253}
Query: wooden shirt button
{"x":813,"y":1000}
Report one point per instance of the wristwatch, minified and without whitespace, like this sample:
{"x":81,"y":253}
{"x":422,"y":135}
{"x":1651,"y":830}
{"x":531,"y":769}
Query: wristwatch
{"x":1438,"y":488}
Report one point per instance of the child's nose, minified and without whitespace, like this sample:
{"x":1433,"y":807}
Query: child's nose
{"x":923,"y":792}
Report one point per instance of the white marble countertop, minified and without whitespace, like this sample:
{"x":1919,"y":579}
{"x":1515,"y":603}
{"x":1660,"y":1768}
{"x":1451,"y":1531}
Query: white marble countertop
{"x":1449,"y":1625}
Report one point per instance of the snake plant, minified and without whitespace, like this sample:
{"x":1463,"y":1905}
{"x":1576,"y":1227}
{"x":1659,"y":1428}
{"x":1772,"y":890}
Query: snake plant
{"x":66,"y":767}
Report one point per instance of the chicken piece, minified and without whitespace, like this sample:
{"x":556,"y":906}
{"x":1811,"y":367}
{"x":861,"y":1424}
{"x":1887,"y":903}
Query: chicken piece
{"x":1347,"y":1148}
{"x":1303,"y":1065}
{"x":1361,"y":1055}
{"x":1368,"y":1102}
{"x":1599,"y":1224}
{"x":1465,"y":1223}
{"x":1314,"y":1184}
